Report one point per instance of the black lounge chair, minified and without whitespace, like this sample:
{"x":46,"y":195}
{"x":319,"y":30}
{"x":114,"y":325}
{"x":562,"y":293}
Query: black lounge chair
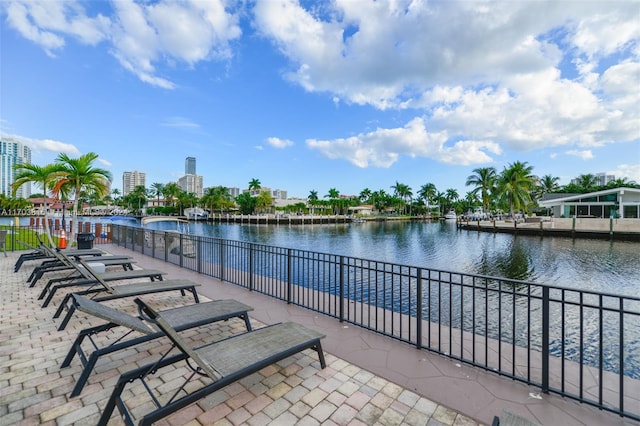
{"x":44,"y":253}
{"x":181,"y":318}
{"x":101,"y":291}
{"x":56,"y":265}
{"x":81,"y":279}
{"x":223,"y":362}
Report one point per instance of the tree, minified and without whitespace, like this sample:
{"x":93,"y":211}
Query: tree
{"x":157,"y":188}
{"x":546,"y":185}
{"x":254,"y":184}
{"x":484,"y":180}
{"x":587,"y":182}
{"x":515,"y":185}
{"x":365,"y":195}
{"x":41,"y":176}
{"x":428,"y":193}
{"x":217,"y":198}
{"x":333,"y":196}
{"x":264,"y":201}
{"x":246,"y":203}
{"x":312,"y":199}
{"x":79,"y":174}
{"x":403,"y":192}
{"x":172,"y":192}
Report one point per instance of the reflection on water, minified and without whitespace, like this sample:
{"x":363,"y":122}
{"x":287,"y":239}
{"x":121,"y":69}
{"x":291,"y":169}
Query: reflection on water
{"x":600,"y":265}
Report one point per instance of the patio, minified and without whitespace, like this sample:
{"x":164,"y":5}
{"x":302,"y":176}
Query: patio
{"x":369,"y":379}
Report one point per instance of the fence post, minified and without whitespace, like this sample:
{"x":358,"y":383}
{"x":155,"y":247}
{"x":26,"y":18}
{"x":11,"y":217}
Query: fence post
{"x":419,"y":309}
{"x":222,"y":246}
{"x":181,"y":248}
{"x":289,"y":276}
{"x":545,"y":339}
{"x":341,"y":291}
{"x":199,"y":254}
{"x":250,"y":266}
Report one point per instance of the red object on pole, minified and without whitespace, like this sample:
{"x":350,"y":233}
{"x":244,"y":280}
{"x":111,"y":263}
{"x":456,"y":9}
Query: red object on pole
{"x":62,"y":243}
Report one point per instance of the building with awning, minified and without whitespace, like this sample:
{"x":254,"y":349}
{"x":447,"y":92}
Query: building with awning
{"x":608,"y":203}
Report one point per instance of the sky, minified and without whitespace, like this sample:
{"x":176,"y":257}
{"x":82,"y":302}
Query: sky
{"x":318,"y":95}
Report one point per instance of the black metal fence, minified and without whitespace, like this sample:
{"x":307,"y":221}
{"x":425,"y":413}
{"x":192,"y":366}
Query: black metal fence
{"x":579,"y":344}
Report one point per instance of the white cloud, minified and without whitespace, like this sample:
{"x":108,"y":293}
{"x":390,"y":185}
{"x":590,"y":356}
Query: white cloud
{"x":142,"y":35}
{"x":106,"y":163}
{"x":279,"y":143}
{"x":497,"y":71}
{"x":383,"y":147}
{"x":45,"y":145}
{"x":629,"y":171}
{"x":585,"y":155}
{"x":180,"y":122}
{"x":48,"y":22}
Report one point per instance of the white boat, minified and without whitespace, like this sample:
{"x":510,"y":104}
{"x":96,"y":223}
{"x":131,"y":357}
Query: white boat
{"x":451,"y":215}
{"x":170,"y":233}
{"x":196,"y":213}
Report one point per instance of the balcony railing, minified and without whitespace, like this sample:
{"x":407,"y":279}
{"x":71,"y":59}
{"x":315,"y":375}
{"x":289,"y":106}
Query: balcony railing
{"x":579,"y":344}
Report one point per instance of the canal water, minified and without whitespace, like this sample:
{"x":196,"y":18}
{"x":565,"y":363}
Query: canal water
{"x":600,"y":265}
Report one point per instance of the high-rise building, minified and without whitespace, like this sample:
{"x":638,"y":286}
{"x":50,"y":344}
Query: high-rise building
{"x":132,"y":179}
{"x":190,"y":166}
{"x":13,"y":152}
{"x":192,"y":183}
{"x":604,"y":179}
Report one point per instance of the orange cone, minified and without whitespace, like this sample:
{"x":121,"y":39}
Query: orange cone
{"x":62,"y":243}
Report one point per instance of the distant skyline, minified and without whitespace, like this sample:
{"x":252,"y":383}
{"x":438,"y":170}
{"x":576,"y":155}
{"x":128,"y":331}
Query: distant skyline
{"x":345,"y":94}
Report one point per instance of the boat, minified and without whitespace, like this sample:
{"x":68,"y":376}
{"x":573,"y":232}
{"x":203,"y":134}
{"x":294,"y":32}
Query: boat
{"x":170,"y":233}
{"x":196,"y":213}
{"x":451,"y":215}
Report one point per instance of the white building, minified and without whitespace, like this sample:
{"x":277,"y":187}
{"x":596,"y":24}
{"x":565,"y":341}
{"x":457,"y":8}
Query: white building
{"x":132,"y":179}
{"x":192,"y":183}
{"x":616,"y":202}
{"x":13,"y":152}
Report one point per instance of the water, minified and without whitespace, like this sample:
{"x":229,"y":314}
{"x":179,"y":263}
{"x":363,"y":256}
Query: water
{"x":599,"y":265}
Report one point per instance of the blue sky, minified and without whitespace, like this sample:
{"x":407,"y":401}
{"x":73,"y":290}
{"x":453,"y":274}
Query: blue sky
{"x":346,"y":94}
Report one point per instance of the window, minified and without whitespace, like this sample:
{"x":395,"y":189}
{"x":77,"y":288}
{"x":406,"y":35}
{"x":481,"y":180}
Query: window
{"x":631,"y":211}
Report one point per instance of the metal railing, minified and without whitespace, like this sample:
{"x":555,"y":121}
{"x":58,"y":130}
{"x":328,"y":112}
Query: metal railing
{"x":580,"y":344}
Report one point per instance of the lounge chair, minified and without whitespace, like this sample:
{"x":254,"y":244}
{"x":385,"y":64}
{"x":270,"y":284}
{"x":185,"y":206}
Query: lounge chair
{"x":57,"y":266}
{"x":102,"y":291}
{"x":223,"y":362}
{"x":81,"y":279}
{"x":181,"y":318}
{"x":43,"y":252}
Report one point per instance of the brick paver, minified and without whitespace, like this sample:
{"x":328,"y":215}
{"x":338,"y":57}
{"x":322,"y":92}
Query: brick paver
{"x":35,"y":390}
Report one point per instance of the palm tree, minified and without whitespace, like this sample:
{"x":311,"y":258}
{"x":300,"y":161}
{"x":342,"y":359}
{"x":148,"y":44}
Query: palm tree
{"x":157,"y":188}
{"x":403,"y":192}
{"x":333,"y":196}
{"x":428,"y":193}
{"x":41,"y":176}
{"x":79,"y":174}
{"x":365,"y":194}
{"x":172,"y":192}
{"x":515,"y":185}
{"x":587,"y":182}
{"x":546,"y":185}
{"x":484,"y":180}
{"x":312,"y":200}
{"x":254,"y":184}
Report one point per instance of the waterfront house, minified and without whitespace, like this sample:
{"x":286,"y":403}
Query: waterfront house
{"x":608,"y":203}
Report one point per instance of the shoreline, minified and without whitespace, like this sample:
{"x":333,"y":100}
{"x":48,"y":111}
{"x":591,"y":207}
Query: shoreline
{"x":589,"y":228}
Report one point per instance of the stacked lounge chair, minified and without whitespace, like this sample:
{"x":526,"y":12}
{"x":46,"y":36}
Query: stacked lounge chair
{"x":221,"y":363}
{"x":101,"y":291}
